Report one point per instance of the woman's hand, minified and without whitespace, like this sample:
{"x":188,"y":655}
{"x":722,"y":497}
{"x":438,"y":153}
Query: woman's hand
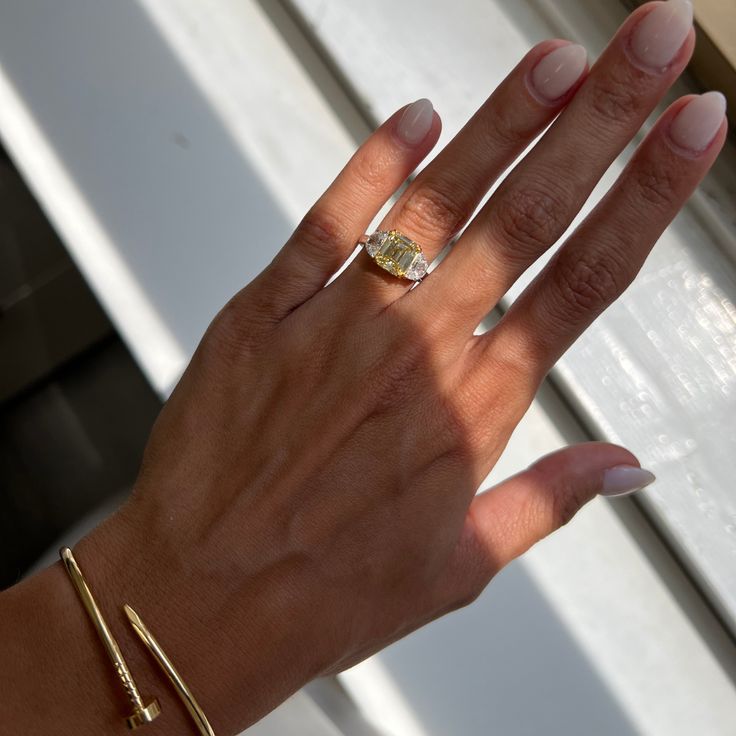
{"x":307,"y":494}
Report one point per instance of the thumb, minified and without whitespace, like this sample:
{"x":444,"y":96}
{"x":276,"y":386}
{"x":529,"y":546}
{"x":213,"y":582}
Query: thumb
{"x":506,"y":520}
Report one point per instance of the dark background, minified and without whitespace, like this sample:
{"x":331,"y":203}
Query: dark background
{"x":75,"y":410}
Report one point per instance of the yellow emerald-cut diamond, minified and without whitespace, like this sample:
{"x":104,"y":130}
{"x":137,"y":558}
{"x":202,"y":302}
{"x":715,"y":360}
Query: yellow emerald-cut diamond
{"x":398,"y":255}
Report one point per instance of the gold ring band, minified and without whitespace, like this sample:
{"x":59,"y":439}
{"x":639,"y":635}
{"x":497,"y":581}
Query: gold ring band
{"x":396,"y":253}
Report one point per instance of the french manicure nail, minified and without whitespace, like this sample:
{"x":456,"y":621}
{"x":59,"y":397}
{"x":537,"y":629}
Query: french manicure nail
{"x":415,"y":122}
{"x":623,"y":479}
{"x":659,"y":35}
{"x":556,"y":73}
{"x":695,"y":126}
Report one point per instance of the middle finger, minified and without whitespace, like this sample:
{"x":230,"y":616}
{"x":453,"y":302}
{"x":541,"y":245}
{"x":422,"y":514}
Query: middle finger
{"x":539,"y":199}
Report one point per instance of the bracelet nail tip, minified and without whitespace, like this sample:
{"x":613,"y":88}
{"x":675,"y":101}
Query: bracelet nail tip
{"x":133,"y":617}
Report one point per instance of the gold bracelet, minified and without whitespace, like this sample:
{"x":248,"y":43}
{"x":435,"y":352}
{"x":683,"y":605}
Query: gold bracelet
{"x":142,"y":714}
{"x":166,"y":665}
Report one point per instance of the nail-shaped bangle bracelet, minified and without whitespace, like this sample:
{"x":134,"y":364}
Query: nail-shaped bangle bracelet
{"x":166,"y":665}
{"x":142,"y":714}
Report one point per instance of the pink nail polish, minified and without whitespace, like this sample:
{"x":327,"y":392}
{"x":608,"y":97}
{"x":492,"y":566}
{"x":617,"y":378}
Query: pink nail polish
{"x":697,"y":123}
{"x":415,"y":122}
{"x":623,"y":479}
{"x":556,"y":73}
{"x":658,"y":37}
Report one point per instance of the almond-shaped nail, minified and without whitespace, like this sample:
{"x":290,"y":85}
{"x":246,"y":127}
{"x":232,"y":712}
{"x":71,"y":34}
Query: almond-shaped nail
{"x":658,"y":37}
{"x":697,"y":123}
{"x":556,"y":73}
{"x":622,"y":479}
{"x":415,"y":122}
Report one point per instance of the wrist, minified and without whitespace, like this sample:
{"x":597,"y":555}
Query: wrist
{"x":110,"y":559}
{"x":227,"y":634}
{"x":56,"y":677}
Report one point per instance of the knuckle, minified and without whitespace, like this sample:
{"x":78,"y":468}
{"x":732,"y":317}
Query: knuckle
{"x":369,"y":171}
{"x":231,"y":333}
{"x":399,"y":375}
{"x":500,"y":129}
{"x":474,"y":570}
{"x":565,"y":502}
{"x":500,"y":391}
{"x":243,"y":322}
{"x":469,"y":595}
{"x":429,"y":207}
{"x":551,"y":505}
{"x":588,"y":282}
{"x":321,"y":231}
{"x":529,"y":220}
{"x":452,"y":429}
{"x":614,"y":98}
{"x":653,"y":184}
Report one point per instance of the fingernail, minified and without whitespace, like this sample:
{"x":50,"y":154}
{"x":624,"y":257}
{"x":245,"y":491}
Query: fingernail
{"x":556,"y":73}
{"x":659,"y":35}
{"x":415,"y":122}
{"x":697,"y":123}
{"x":623,"y":479}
